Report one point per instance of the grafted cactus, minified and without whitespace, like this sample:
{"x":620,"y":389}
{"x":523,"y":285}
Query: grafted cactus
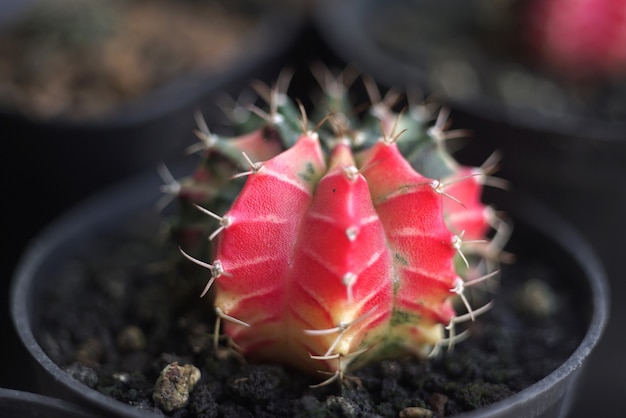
{"x":347,"y":241}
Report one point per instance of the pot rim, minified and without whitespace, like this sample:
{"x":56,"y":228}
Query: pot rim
{"x":127,"y":197}
{"x":29,"y":399}
{"x":339,"y":25}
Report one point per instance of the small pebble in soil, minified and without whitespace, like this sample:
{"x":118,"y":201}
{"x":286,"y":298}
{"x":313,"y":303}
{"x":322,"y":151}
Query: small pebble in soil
{"x":131,"y":338}
{"x":416,"y":412}
{"x":174,"y":385}
{"x":90,"y":352}
{"x":83,"y":374}
{"x":537,"y":299}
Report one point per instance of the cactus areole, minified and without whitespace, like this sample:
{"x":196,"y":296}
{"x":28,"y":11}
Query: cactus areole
{"x":347,"y":242}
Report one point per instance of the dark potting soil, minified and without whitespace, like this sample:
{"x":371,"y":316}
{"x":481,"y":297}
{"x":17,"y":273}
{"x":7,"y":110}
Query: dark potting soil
{"x":128,"y":305}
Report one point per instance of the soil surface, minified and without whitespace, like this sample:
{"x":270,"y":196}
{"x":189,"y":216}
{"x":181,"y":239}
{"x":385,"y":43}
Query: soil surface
{"x":81,"y":58}
{"x":119,"y":313}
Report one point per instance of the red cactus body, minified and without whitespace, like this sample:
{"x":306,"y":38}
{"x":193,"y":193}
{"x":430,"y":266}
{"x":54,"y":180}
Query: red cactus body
{"x":220,"y":160}
{"x":465,"y":214}
{"x":318,"y":265}
{"x":328,"y":262}
{"x":581,"y":38}
{"x":341,"y":281}
{"x":410,"y":208}
{"x":255,"y":250}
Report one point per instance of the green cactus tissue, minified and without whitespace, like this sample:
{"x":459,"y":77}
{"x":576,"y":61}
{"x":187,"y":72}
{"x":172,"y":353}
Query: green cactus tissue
{"x":333,"y":244}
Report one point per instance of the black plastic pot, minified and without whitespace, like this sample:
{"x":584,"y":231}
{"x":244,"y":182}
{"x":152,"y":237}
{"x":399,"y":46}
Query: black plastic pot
{"x":19,"y":404}
{"x":538,"y":232}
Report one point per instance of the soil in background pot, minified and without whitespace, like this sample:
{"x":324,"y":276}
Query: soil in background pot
{"x":78,"y":59}
{"x":119,"y":313}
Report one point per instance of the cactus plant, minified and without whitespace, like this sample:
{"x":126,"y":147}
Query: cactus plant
{"x":334,"y":245}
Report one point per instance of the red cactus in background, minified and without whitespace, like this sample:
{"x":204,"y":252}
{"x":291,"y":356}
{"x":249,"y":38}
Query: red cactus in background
{"x":580,"y":39}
